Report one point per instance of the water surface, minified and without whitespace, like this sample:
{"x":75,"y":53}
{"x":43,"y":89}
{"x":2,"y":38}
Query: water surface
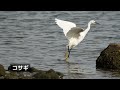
{"x":33,"y":37}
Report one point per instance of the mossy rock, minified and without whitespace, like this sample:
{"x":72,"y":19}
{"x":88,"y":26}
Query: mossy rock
{"x":109,"y":57}
{"x":32,"y":73}
{"x":32,"y":69}
{"x":16,"y":75}
{"x":2,"y":70}
{"x":50,"y":74}
{"x":40,"y":75}
{"x":11,"y":75}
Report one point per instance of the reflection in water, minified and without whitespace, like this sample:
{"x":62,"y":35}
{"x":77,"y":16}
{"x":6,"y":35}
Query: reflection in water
{"x":72,"y":70}
{"x":75,"y":71}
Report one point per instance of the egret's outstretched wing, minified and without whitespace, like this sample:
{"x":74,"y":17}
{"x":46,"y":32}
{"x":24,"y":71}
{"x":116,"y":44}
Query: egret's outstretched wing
{"x":65,"y":25}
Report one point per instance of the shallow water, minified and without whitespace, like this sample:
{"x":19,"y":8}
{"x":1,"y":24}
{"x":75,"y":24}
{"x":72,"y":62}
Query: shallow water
{"x":33,"y":37}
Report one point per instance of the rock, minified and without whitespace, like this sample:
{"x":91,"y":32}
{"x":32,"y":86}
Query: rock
{"x":50,"y":74}
{"x":2,"y":70}
{"x":11,"y":75}
{"x":109,"y":57}
{"x":2,"y":77}
{"x":54,"y":75}
{"x":60,"y":75}
{"x":32,"y":73}
{"x":40,"y":75}
{"x":32,"y":69}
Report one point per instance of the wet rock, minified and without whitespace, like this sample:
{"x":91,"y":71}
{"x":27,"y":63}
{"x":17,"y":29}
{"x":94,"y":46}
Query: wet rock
{"x":32,"y":73}
{"x":2,"y":70}
{"x":54,"y":75}
{"x":11,"y":75}
{"x":32,"y":69}
{"x":109,"y":57}
{"x":40,"y":75}
{"x":50,"y":74}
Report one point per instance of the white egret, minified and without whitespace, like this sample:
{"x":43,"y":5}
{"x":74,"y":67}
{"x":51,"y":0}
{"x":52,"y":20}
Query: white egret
{"x":73,"y":33}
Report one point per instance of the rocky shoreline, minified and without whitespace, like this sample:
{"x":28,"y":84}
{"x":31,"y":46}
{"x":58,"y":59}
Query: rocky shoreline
{"x":33,"y":73}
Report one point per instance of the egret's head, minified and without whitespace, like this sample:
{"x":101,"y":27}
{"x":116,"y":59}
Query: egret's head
{"x":93,"y":22}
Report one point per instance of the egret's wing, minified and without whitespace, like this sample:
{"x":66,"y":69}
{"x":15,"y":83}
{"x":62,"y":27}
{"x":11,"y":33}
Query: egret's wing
{"x":74,"y":33}
{"x":65,"y":25}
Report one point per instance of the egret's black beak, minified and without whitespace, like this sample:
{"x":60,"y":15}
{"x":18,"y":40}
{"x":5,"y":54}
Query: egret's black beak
{"x":97,"y":23}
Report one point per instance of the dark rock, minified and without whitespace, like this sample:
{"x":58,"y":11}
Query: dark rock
{"x":32,"y":69}
{"x":11,"y":75}
{"x":18,"y":75}
{"x":50,"y":74}
{"x":109,"y":57}
{"x":40,"y":75}
{"x":32,"y":73}
{"x":2,"y":70}
{"x":60,"y":75}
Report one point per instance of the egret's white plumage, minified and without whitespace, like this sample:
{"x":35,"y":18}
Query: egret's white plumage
{"x":73,"y":33}
{"x":65,"y":25}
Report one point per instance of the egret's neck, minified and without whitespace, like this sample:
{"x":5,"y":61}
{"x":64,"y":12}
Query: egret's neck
{"x":88,"y":28}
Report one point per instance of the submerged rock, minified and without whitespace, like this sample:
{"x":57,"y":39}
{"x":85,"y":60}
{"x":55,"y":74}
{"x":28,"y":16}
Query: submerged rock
{"x":109,"y":57}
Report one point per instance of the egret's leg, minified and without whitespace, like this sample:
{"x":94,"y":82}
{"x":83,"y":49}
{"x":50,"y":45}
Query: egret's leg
{"x":68,"y":51}
{"x":67,"y":54}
